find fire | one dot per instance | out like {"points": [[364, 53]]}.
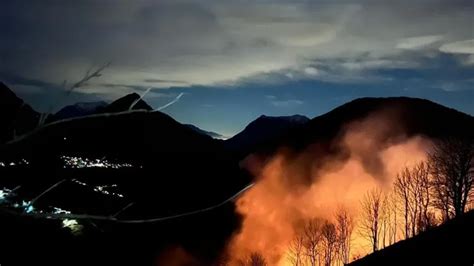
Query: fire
{"points": [[293, 187]]}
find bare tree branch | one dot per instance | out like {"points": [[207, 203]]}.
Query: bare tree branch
{"points": [[452, 168], [371, 206], [33, 201], [123, 209]]}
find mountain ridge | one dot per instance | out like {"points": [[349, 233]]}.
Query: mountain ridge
{"points": [[16, 116], [131, 101], [211, 134], [262, 129], [80, 109]]}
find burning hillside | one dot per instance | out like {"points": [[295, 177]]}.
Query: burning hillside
{"points": [[293, 188]]}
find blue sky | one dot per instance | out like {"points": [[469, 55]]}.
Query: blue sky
{"points": [[236, 60]]}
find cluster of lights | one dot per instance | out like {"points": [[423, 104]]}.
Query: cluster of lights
{"points": [[5, 196], [73, 225], [79, 182], [27, 207], [79, 162], [104, 190], [57, 210], [16, 163], [4, 193]]}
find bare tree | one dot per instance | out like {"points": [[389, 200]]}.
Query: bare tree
{"points": [[329, 242], [413, 187], [312, 238], [371, 206], [385, 221], [391, 209], [344, 227], [452, 168], [296, 253], [422, 217], [402, 189]]}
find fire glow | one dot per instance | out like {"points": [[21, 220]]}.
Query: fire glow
{"points": [[294, 187]]}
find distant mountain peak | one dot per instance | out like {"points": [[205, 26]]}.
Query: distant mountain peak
{"points": [[263, 129], [126, 102], [295, 118], [211, 134], [80, 109]]}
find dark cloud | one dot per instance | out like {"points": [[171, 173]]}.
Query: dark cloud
{"points": [[164, 81], [13, 79], [196, 42]]}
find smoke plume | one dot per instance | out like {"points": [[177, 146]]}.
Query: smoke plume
{"points": [[292, 187]]}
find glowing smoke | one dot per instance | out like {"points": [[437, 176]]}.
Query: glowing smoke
{"points": [[295, 186]]}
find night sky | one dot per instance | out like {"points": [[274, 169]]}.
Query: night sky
{"points": [[236, 60]]}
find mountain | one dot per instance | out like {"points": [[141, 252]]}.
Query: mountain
{"points": [[80, 109], [263, 129], [211, 134], [16, 117], [172, 163], [171, 169], [406, 116], [128, 102], [123, 104]]}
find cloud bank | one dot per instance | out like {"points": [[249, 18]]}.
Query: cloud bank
{"points": [[169, 43]]}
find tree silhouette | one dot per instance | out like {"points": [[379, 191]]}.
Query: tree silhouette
{"points": [[296, 252], [329, 242], [371, 206], [402, 189], [421, 216], [344, 228], [452, 169], [413, 188], [312, 239]]}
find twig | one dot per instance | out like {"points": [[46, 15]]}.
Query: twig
{"points": [[88, 76], [141, 97], [170, 103], [123, 209], [46, 191]]}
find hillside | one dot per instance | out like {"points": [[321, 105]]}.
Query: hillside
{"points": [[16, 117], [262, 130], [447, 244], [130, 101], [211, 134]]}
